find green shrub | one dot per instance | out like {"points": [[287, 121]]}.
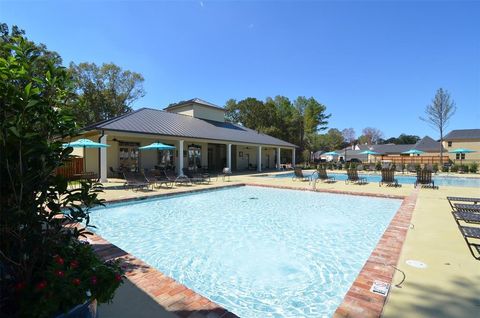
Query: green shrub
{"points": [[435, 167], [44, 269], [418, 167], [378, 166], [454, 168], [445, 168], [473, 167]]}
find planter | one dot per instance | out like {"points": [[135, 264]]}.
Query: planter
{"points": [[85, 310]]}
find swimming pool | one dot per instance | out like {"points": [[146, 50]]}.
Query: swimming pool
{"points": [[258, 252], [375, 178]]}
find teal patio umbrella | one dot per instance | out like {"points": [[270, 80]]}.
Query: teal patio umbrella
{"points": [[369, 152], [413, 152], [85, 143], [157, 146], [331, 153], [461, 151]]}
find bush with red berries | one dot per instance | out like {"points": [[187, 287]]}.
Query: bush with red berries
{"points": [[45, 268]]}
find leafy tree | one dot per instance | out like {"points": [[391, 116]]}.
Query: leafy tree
{"points": [[297, 122], [438, 114], [332, 140], [104, 91], [403, 139]]}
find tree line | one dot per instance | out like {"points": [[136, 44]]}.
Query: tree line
{"points": [[105, 91]]}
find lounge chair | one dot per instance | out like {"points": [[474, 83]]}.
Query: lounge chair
{"points": [[467, 216], [468, 233], [424, 178], [182, 179], [467, 207], [298, 175], [157, 178], [323, 176], [135, 180], [196, 177], [388, 178], [462, 199], [352, 177]]}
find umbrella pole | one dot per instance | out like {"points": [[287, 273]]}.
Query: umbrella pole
{"points": [[84, 159]]}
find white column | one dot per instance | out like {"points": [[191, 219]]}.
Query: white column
{"points": [[103, 160], [293, 157], [180, 157], [278, 159], [259, 159], [229, 156]]}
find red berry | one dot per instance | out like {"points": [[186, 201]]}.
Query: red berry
{"points": [[20, 286], [41, 285], [76, 281], [74, 264], [94, 280], [118, 277], [58, 260], [59, 273]]}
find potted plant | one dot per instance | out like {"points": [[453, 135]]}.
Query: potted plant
{"points": [[46, 267]]}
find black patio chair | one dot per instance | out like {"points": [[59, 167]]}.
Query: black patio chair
{"points": [[352, 177], [388, 178]]}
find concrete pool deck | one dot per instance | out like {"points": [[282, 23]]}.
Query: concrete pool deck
{"points": [[448, 287]]}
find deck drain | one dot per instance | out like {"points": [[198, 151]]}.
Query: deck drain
{"points": [[379, 287], [416, 264], [253, 198]]}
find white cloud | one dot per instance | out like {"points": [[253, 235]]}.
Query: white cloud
{"points": [[202, 4], [251, 25]]}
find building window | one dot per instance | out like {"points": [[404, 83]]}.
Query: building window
{"points": [[165, 159], [449, 143], [194, 156], [460, 156], [128, 156]]}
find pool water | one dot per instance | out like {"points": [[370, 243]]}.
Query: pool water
{"points": [[402, 179], [258, 252]]}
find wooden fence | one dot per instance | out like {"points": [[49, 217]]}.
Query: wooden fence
{"points": [[414, 159], [72, 167]]}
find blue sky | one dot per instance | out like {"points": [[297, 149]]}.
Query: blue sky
{"points": [[372, 63]]}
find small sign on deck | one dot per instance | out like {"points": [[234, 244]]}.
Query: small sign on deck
{"points": [[379, 287]]}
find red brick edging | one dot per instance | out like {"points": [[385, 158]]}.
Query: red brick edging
{"points": [[183, 302], [360, 301]]}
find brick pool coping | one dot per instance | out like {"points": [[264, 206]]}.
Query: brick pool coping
{"points": [[184, 302]]}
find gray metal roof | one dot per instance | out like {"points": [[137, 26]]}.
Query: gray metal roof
{"points": [[463, 134], [194, 101], [391, 148], [159, 122], [427, 144]]}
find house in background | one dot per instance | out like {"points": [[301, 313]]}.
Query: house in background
{"points": [[463, 138], [195, 127]]}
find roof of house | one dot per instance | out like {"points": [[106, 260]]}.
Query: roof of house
{"points": [[427, 144], [159, 122], [463, 134], [193, 101]]}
